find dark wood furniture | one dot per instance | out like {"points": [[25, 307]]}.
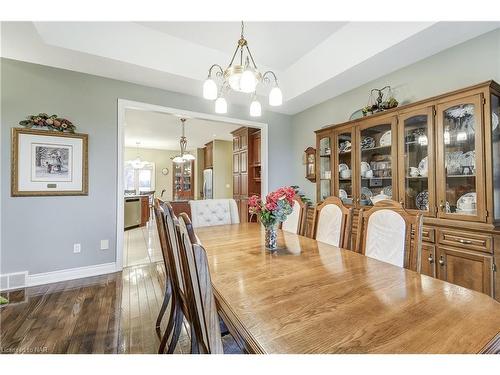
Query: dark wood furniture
{"points": [[310, 163], [461, 242], [246, 168], [180, 207], [183, 180], [345, 226], [412, 231], [145, 210], [317, 298], [208, 153]]}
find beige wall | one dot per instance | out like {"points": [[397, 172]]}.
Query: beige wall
{"points": [[161, 158], [466, 64], [223, 169]]}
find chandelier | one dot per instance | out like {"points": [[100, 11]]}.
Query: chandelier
{"points": [[183, 155], [242, 76], [137, 163]]}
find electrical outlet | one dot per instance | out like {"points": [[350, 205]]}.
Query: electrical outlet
{"points": [[104, 244], [77, 248]]}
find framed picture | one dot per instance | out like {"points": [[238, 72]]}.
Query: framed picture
{"points": [[46, 162]]}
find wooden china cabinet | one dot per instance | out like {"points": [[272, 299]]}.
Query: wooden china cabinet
{"points": [[440, 157], [183, 181], [246, 168]]}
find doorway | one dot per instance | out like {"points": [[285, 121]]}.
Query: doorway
{"points": [[139, 244]]}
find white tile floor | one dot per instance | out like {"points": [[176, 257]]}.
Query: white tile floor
{"points": [[142, 245]]}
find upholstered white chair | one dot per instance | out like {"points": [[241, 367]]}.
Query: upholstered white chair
{"points": [[332, 223], [209, 212], [385, 233], [295, 222]]}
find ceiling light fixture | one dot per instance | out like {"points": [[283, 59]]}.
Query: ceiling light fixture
{"points": [[184, 155], [137, 163], [243, 77]]}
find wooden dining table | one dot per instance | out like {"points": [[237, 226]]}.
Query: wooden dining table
{"points": [[311, 297]]}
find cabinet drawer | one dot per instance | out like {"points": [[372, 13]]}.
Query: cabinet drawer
{"points": [[428, 234], [466, 240]]}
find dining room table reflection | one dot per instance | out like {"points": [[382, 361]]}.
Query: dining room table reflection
{"points": [[311, 297]]}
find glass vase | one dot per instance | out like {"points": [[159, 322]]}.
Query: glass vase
{"points": [[271, 238]]}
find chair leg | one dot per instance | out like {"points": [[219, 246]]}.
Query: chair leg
{"points": [[179, 317], [195, 349], [170, 325], [166, 300]]}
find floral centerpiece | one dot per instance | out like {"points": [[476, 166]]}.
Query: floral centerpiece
{"points": [[52, 122], [274, 210]]}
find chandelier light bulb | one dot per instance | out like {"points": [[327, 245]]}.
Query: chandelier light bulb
{"points": [[248, 81], [178, 159], [255, 108], [210, 89], [234, 81], [188, 157], [220, 105], [275, 97]]}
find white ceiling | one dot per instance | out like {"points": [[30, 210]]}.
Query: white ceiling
{"points": [[163, 131], [314, 61], [274, 44]]}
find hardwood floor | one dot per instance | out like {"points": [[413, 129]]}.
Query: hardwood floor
{"points": [[113, 313]]}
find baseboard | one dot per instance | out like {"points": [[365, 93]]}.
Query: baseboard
{"points": [[70, 274]]}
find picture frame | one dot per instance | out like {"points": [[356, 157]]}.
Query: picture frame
{"points": [[48, 163]]}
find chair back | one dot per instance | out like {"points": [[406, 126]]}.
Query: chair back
{"points": [[385, 233], [209, 212], [332, 223], [295, 222], [168, 229], [198, 283]]}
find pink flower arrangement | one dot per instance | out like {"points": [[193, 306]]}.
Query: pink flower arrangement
{"points": [[277, 206]]}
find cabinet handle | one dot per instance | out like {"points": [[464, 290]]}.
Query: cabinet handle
{"points": [[431, 259], [441, 206], [441, 261], [466, 242]]}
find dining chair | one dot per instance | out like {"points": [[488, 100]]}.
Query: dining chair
{"points": [[160, 225], [295, 222], [209, 212], [179, 305], [385, 233], [203, 309], [332, 223]]}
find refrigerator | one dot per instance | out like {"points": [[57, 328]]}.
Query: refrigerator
{"points": [[208, 190]]}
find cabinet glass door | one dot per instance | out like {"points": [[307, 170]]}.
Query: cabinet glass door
{"points": [[377, 162], [344, 172], [325, 168], [460, 166], [416, 170]]}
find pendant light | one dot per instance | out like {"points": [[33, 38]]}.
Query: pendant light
{"points": [[241, 75], [183, 155]]}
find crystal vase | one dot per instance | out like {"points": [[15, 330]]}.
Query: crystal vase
{"points": [[271, 239]]}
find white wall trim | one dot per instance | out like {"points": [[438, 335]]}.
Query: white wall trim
{"points": [[70, 274], [124, 104]]}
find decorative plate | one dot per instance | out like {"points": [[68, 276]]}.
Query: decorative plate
{"points": [[367, 143], [343, 167], [364, 167], [342, 194], [345, 146], [356, 115], [423, 167], [387, 191], [379, 197], [468, 159], [462, 199], [452, 162], [494, 121], [422, 200], [385, 140], [366, 193]]}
